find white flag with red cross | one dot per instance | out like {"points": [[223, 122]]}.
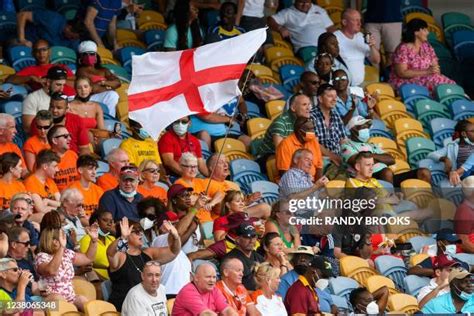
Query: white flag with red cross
{"points": [[167, 86]]}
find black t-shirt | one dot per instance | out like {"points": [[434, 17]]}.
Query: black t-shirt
{"points": [[349, 242], [249, 263], [383, 11]]}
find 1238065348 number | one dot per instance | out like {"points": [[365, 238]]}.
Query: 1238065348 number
{"points": [[23, 305]]}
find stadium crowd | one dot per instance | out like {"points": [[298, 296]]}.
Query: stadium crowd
{"points": [[97, 216]]}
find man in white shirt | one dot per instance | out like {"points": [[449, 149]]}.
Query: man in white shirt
{"points": [[352, 46], [438, 285], [302, 23], [147, 298]]}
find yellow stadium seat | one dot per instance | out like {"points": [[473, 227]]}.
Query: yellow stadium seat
{"points": [[333, 3], [131, 43], [335, 188], [122, 111], [147, 16], [152, 26], [400, 166], [97, 308], [418, 258], [403, 302], [334, 10], [124, 34], [380, 89], [106, 56], [356, 268], [371, 75], [272, 171], [170, 304], [447, 209], [5, 71], [375, 282], [282, 43], [435, 29], [417, 191], [233, 148], [388, 146], [257, 127], [407, 128], [268, 79], [84, 288], [62, 307], [123, 91], [390, 111], [420, 15], [277, 63], [403, 233], [275, 52], [277, 36], [274, 108], [260, 70]]}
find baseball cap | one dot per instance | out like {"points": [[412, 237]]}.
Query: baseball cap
{"points": [[87, 47], [8, 216], [443, 261], [357, 121], [129, 172], [458, 273], [246, 230], [177, 189], [56, 73], [322, 264], [447, 234]]}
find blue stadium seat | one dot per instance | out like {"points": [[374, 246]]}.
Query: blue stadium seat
{"points": [[411, 93], [342, 286], [462, 109], [450, 192], [7, 25], [12, 107], [466, 257], [18, 93], [393, 268], [63, 55], [107, 145], [436, 168], [414, 283], [30, 5], [125, 56], [20, 57], [20, 136], [105, 110], [441, 128], [427, 110], [103, 168], [387, 185], [342, 304], [418, 242], [418, 148], [120, 72], [63, 6], [106, 287], [290, 76], [269, 190], [379, 129], [244, 172], [235, 129], [253, 110], [463, 42], [154, 40]]}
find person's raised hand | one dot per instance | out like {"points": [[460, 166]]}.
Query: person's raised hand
{"points": [[125, 228]]}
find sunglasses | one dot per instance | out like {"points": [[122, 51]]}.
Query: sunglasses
{"points": [[340, 78], [45, 127], [153, 263], [66, 136], [89, 53], [131, 168], [152, 170], [24, 243], [137, 232], [13, 269], [41, 49]]}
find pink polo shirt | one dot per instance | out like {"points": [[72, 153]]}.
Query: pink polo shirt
{"points": [[192, 302]]}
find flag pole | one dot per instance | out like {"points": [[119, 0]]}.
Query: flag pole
{"points": [[231, 122]]}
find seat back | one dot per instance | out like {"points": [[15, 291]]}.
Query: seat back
{"points": [[375, 282], [307, 53], [276, 64], [418, 148], [414, 283], [97, 308], [63, 55], [154, 39], [402, 302], [272, 171], [418, 242], [257, 127], [379, 129], [260, 70], [400, 166], [388, 146], [380, 89], [274, 108], [393, 268], [106, 287], [243, 165], [342, 286], [442, 128], [21, 57], [269, 190], [462, 109], [84, 288], [275, 52], [62, 307]]}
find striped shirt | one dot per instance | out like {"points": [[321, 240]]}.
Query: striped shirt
{"points": [[282, 126], [329, 136], [106, 11]]}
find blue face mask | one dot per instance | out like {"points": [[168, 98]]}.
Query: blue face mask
{"points": [[143, 133], [468, 141], [364, 135], [463, 295]]}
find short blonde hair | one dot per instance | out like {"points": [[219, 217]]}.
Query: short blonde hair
{"points": [[46, 240], [468, 186], [264, 272], [146, 164]]}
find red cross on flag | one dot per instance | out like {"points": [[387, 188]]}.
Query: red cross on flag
{"points": [[168, 86]]}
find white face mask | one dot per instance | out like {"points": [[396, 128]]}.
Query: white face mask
{"points": [[372, 308], [102, 234], [128, 195], [322, 284], [450, 250], [180, 129], [146, 223]]}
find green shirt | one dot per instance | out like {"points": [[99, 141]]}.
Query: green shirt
{"points": [[282, 126]]}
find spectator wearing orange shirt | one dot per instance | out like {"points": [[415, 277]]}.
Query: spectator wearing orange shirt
{"points": [[10, 170], [7, 133], [117, 159], [44, 192], [232, 272], [59, 139], [38, 142], [91, 192], [302, 137], [150, 174]]}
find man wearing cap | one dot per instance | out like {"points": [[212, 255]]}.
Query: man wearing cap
{"points": [[33, 75], [122, 201], [7, 134], [302, 137], [359, 129], [299, 259], [40, 99], [438, 285], [460, 298], [244, 251], [103, 81]]}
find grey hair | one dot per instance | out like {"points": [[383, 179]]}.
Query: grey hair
{"points": [[298, 154], [4, 263], [5, 118], [187, 156], [112, 154], [226, 263], [70, 194]]}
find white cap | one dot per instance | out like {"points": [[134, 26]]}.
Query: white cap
{"points": [[357, 121], [87, 47]]}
